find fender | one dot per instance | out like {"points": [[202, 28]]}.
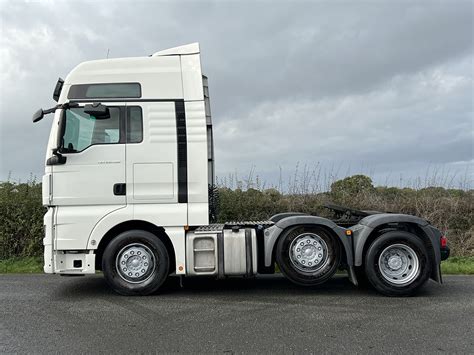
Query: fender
{"points": [[175, 234], [366, 226], [106, 223], [271, 234], [279, 216]]}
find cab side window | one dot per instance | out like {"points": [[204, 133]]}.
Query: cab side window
{"points": [[83, 130], [134, 125]]}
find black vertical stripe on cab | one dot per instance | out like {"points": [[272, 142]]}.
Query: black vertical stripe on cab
{"points": [[182, 152]]}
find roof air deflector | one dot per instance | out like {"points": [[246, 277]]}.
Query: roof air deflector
{"points": [[192, 48]]}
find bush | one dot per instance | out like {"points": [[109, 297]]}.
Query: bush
{"points": [[352, 186], [450, 210], [21, 221]]}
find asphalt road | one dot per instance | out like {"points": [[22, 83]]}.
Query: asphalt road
{"points": [[49, 313]]}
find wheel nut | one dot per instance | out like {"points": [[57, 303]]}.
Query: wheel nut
{"points": [[319, 248], [310, 263], [129, 274], [301, 243], [137, 274], [123, 262], [320, 255], [139, 252], [132, 252], [143, 270], [125, 256], [146, 264], [298, 249]]}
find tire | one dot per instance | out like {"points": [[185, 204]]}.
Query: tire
{"points": [[319, 267], [397, 264], [135, 262]]}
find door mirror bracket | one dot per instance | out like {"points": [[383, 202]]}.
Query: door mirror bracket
{"points": [[99, 111], [38, 115]]}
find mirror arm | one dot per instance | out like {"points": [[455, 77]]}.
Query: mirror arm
{"points": [[38, 116], [50, 110], [67, 105]]}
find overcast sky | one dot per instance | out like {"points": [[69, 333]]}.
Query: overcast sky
{"points": [[378, 87]]}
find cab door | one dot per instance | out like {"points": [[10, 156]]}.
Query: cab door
{"points": [[94, 170], [153, 163]]}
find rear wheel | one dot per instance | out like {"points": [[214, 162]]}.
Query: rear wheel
{"points": [[397, 263], [308, 256], [136, 262]]}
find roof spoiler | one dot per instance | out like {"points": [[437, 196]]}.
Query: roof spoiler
{"points": [[192, 48]]}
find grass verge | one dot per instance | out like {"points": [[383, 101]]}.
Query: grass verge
{"points": [[22, 265], [461, 265], [455, 265]]}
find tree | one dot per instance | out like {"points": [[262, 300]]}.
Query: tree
{"points": [[352, 185]]}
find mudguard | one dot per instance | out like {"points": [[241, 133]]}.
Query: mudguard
{"points": [[279, 216], [367, 225], [293, 219]]}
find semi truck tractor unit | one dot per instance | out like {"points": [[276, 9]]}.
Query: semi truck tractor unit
{"points": [[129, 187]]}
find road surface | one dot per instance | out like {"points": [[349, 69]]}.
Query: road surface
{"points": [[49, 313]]}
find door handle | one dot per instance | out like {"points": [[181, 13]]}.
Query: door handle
{"points": [[120, 189]]}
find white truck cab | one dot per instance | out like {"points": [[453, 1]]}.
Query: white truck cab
{"points": [[129, 173]]}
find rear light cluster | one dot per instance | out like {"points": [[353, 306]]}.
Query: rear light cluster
{"points": [[443, 241]]}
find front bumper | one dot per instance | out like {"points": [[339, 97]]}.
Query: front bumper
{"points": [[69, 262], [66, 262], [74, 263]]}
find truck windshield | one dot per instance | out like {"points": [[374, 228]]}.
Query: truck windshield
{"points": [[82, 130]]}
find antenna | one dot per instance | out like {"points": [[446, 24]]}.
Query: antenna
{"points": [[108, 51]]}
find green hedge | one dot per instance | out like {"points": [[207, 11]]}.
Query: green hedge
{"points": [[21, 219], [451, 210]]}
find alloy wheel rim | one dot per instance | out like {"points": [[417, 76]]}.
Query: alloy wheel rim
{"points": [[135, 263], [399, 264], [308, 252]]}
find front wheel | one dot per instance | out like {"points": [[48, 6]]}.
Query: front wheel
{"points": [[397, 264], [308, 256], [135, 262]]}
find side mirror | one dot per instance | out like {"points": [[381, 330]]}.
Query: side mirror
{"points": [[56, 160], [38, 115], [97, 110]]}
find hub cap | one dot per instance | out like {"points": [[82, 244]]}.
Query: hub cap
{"points": [[308, 252], [399, 264], [135, 263]]}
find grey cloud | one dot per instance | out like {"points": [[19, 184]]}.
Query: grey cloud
{"points": [[294, 81]]}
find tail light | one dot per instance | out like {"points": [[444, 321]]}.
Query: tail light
{"points": [[443, 241]]}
